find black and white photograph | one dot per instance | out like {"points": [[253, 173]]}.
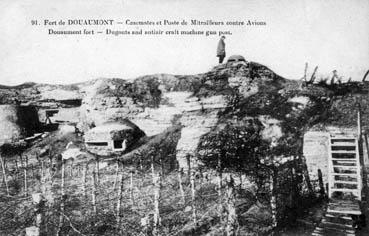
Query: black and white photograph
{"points": [[184, 118]]}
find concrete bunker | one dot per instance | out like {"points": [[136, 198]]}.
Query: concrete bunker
{"points": [[236, 58], [112, 137], [18, 122]]}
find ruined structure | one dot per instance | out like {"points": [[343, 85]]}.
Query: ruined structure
{"points": [[17, 122], [236, 58], [112, 137], [334, 157], [317, 150]]}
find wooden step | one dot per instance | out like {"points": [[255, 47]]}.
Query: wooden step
{"points": [[343, 202], [339, 138], [326, 228], [347, 160], [331, 234], [343, 143], [344, 174], [344, 182], [344, 210], [352, 164], [339, 217], [341, 166], [335, 225], [345, 187], [342, 151], [344, 163], [318, 233]]}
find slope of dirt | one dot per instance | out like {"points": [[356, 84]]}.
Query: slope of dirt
{"points": [[185, 116]]}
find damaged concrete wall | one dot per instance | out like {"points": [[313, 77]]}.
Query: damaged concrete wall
{"points": [[315, 150], [17, 122], [112, 137]]}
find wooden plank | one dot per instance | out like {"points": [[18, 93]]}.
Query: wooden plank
{"points": [[347, 167], [344, 201], [343, 138], [344, 182], [338, 225], [344, 174], [344, 190], [342, 152], [340, 217], [351, 144], [349, 212], [335, 229], [343, 206], [330, 168], [359, 180], [346, 160]]}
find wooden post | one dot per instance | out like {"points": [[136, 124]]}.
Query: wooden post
{"points": [[360, 151], [193, 196], [38, 202], [141, 162], [4, 175], [120, 194], [219, 172], [71, 170], [273, 201], [193, 190], [312, 78], [157, 186], [366, 74], [84, 179], [25, 165], [180, 174], [161, 167], [131, 188], [94, 176], [359, 131], [240, 176], [33, 171], [61, 216], [97, 171], [232, 222], [119, 201], [152, 167], [156, 179], [116, 175], [305, 71], [78, 170], [42, 168], [51, 164], [16, 166]]}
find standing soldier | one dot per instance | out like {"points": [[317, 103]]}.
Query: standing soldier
{"points": [[221, 49]]}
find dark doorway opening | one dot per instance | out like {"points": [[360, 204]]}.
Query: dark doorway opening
{"points": [[118, 144]]}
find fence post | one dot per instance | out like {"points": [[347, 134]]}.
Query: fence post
{"points": [[61, 216], [232, 223], [119, 201], [4, 175], [180, 174], [131, 187]]}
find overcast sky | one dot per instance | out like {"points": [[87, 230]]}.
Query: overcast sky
{"points": [[333, 34]]}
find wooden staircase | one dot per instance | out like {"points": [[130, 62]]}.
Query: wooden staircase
{"points": [[344, 186]]}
